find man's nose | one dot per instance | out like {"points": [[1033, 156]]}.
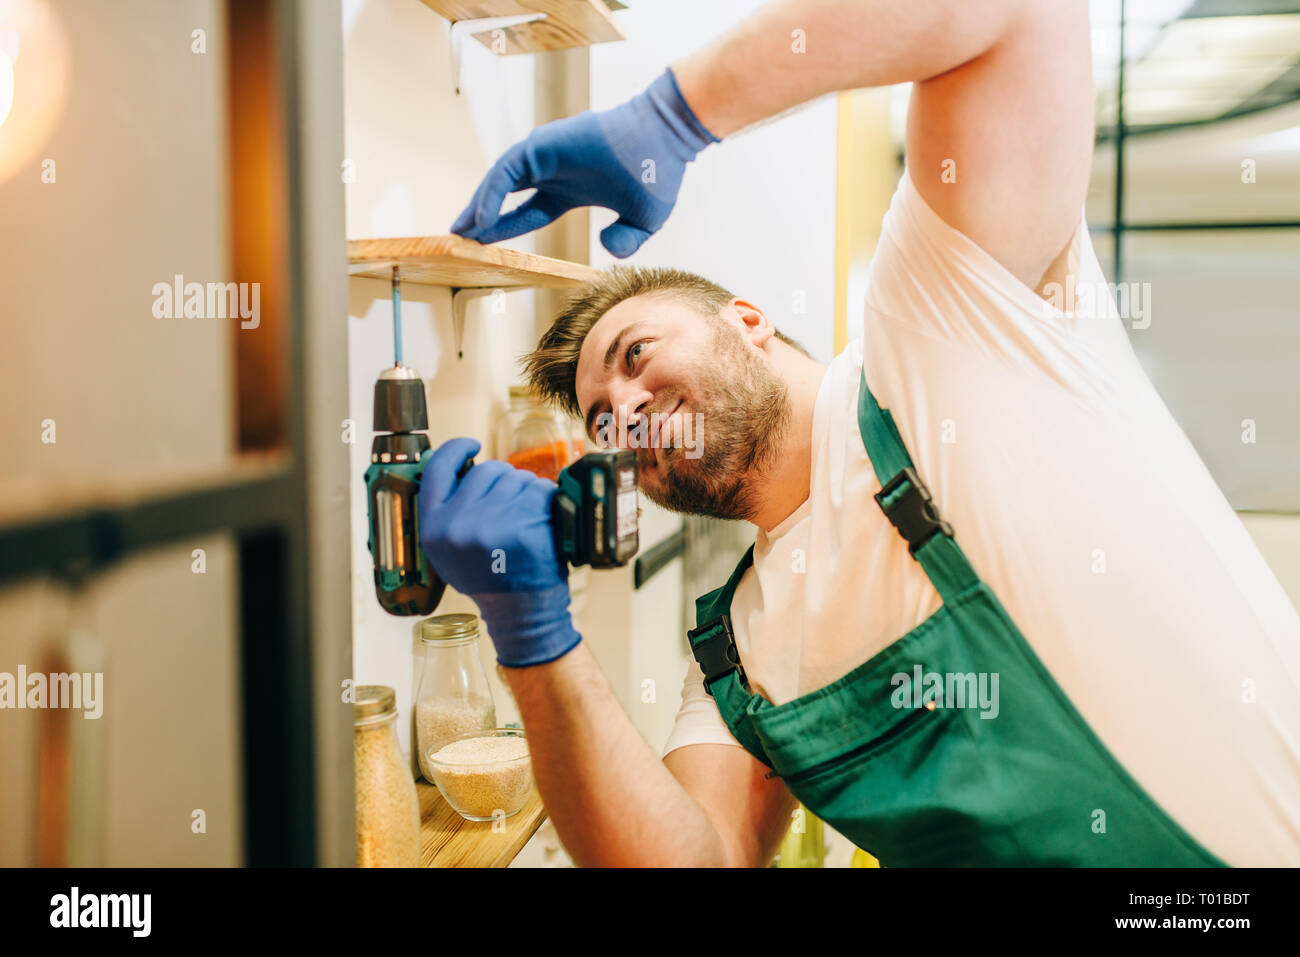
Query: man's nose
{"points": [[631, 408]]}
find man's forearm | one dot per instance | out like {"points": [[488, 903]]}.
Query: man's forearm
{"points": [[614, 803], [792, 51]]}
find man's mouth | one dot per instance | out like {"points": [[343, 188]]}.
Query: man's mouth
{"points": [[661, 441], [659, 438]]}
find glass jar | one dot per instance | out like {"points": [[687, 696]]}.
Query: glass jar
{"points": [[577, 437], [536, 437], [454, 695], [544, 440], [388, 809]]}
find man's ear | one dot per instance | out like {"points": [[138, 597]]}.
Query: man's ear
{"points": [[754, 324]]}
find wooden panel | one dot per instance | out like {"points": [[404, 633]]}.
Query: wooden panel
{"points": [[448, 840], [568, 23], [455, 261]]}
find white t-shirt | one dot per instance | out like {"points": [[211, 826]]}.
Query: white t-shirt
{"points": [[1078, 500]]}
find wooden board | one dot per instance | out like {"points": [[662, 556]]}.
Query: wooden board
{"points": [[455, 261], [448, 840], [568, 23]]}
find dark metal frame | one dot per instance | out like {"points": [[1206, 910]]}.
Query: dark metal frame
{"points": [[79, 543], [278, 722], [269, 517]]}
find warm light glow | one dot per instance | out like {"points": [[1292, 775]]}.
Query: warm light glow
{"points": [[35, 78], [6, 86]]}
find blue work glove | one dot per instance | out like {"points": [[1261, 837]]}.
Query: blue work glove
{"points": [[489, 536], [629, 159]]}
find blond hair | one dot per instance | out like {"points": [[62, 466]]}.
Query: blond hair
{"points": [[552, 368]]}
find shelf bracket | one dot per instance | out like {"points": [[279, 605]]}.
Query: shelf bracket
{"points": [[462, 30], [459, 295]]}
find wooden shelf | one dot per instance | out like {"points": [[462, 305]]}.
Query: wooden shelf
{"points": [[462, 263], [448, 840], [568, 23]]}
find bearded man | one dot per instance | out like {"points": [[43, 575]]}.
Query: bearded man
{"points": [[1024, 613]]}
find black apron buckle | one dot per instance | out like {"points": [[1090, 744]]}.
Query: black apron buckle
{"points": [[717, 654], [913, 513]]}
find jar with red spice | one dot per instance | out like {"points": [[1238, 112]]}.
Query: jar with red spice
{"points": [[534, 436]]}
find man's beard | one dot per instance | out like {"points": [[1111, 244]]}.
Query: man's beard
{"points": [[746, 413]]}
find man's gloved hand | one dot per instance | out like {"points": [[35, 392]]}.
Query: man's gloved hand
{"points": [[489, 536], [629, 159]]}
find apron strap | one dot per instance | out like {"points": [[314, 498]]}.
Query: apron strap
{"points": [[713, 643], [908, 504]]}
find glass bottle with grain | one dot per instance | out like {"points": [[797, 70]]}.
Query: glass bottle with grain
{"points": [[387, 807]]}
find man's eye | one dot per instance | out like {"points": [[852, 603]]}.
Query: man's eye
{"points": [[631, 359]]}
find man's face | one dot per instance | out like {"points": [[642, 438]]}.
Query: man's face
{"points": [[697, 390]]}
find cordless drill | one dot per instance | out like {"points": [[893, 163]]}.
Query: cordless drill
{"points": [[593, 514]]}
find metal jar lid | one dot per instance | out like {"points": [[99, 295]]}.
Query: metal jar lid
{"points": [[449, 627], [373, 703]]}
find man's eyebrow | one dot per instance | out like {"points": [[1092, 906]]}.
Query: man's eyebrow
{"points": [[610, 354], [612, 351]]}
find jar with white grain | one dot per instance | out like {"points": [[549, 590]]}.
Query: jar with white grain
{"points": [[388, 809], [454, 695]]}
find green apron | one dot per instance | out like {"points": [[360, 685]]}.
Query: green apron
{"points": [[1027, 783]]}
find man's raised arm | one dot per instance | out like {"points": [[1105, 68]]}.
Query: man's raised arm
{"points": [[795, 50], [1002, 104], [1000, 132]]}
